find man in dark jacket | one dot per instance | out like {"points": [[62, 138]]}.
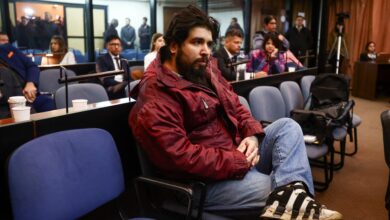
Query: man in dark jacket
{"points": [[191, 124], [25, 76], [144, 34], [227, 55], [300, 38], [128, 35]]}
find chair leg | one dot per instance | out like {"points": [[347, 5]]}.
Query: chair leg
{"points": [[340, 164], [328, 172], [355, 143]]}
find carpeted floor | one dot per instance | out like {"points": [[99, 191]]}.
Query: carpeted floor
{"points": [[358, 189]]}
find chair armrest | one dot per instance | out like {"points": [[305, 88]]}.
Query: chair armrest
{"points": [[189, 189]]}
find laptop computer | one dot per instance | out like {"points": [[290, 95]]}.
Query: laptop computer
{"points": [[383, 58]]}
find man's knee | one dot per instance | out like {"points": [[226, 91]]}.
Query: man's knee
{"points": [[287, 123]]}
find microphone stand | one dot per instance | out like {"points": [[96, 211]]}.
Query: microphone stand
{"points": [[63, 70], [125, 68]]}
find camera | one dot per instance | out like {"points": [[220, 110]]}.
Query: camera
{"points": [[341, 16]]}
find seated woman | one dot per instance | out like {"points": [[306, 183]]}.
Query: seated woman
{"points": [[369, 54], [156, 44], [268, 60], [58, 53]]}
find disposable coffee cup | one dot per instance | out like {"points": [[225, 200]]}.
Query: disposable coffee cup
{"points": [[79, 104], [247, 75], [21, 113], [291, 69], [16, 101]]}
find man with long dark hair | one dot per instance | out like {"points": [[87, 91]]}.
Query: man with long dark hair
{"points": [[191, 124]]}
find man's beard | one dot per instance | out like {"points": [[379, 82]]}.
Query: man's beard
{"points": [[189, 71]]}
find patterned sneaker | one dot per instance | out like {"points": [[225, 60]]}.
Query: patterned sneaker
{"points": [[291, 202]]}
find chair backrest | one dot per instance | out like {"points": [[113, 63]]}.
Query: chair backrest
{"points": [[90, 91], [305, 86], [385, 118], [132, 85], [48, 80], [292, 96], [64, 175], [245, 103], [267, 103]]}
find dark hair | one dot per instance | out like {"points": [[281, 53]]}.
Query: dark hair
{"points": [[234, 19], [110, 38], [269, 18], [299, 16], [3, 33], [181, 24], [154, 39], [61, 42], [275, 40], [368, 44], [234, 32]]}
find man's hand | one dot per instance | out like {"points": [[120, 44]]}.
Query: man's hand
{"points": [[260, 74], [250, 147], [281, 37], [30, 92]]}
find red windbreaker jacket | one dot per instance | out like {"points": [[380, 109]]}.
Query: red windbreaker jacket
{"points": [[181, 127]]}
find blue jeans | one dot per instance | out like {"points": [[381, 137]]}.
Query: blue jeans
{"points": [[283, 160]]}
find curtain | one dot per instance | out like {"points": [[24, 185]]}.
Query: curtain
{"points": [[368, 21]]}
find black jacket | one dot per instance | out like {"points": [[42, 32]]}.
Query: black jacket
{"points": [[223, 61], [300, 41]]}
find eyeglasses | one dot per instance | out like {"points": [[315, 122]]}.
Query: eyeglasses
{"points": [[114, 44]]}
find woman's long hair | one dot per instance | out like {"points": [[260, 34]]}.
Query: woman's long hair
{"points": [[63, 48], [154, 39]]}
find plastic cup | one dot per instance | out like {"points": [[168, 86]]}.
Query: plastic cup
{"points": [[291, 69], [16, 101], [21, 113], [79, 104], [247, 75]]}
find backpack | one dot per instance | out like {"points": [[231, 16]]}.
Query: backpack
{"points": [[329, 93]]}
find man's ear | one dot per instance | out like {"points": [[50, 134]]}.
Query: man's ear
{"points": [[173, 48]]}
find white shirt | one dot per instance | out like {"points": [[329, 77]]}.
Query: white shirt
{"points": [[149, 58], [118, 78]]}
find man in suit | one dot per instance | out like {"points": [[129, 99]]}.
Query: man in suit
{"points": [[227, 54], [115, 85], [144, 34], [128, 35], [23, 74]]}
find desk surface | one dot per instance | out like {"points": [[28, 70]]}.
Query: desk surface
{"points": [[60, 112]]}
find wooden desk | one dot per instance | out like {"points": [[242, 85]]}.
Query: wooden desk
{"points": [[366, 77]]}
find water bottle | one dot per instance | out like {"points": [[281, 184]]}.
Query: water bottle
{"points": [[242, 67]]}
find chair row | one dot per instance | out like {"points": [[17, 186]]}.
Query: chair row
{"points": [[269, 103]]}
